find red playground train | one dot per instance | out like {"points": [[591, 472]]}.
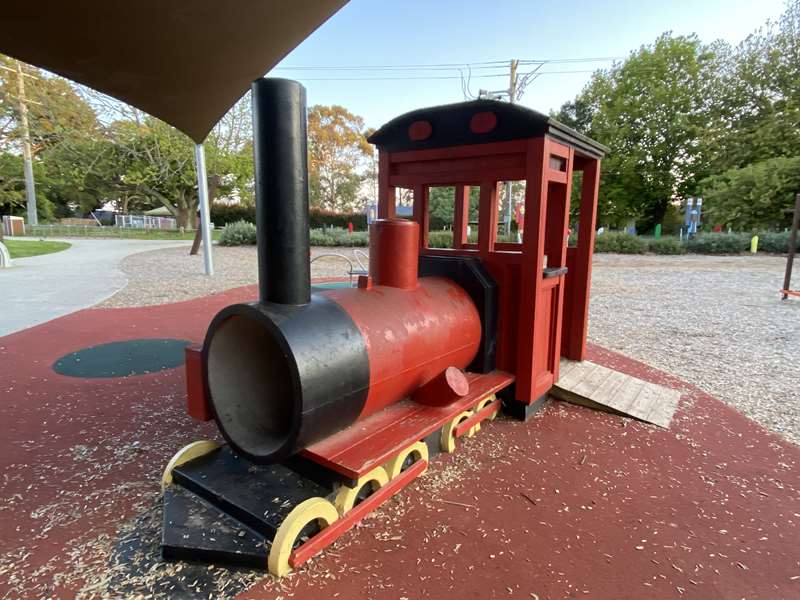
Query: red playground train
{"points": [[332, 400]]}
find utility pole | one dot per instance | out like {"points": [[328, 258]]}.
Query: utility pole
{"points": [[512, 97], [30, 188]]}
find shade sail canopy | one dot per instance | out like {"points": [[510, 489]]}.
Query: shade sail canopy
{"points": [[183, 61]]}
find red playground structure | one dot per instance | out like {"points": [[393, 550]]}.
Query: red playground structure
{"points": [[333, 400], [543, 297]]}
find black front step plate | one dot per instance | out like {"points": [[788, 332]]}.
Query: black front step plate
{"points": [[260, 496], [195, 530]]}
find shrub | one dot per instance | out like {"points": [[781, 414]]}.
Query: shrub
{"points": [[666, 245], [719, 243], [239, 233], [621, 243], [777, 242], [338, 237], [440, 239]]}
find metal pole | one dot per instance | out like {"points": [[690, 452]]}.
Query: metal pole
{"points": [[787, 279], [30, 188], [205, 213], [512, 97]]}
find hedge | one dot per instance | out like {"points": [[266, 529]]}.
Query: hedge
{"points": [[719, 243], [666, 245], [338, 237], [620, 243], [319, 219], [244, 233], [222, 214], [775, 242]]}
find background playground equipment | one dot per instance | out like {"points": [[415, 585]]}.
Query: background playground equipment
{"points": [[13, 226], [787, 278], [333, 400]]}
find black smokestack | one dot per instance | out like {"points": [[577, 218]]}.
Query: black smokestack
{"points": [[281, 173]]}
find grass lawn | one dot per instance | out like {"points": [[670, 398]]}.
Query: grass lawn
{"points": [[115, 232], [23, 248]]}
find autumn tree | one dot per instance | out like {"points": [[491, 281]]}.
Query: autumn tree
{"points": [[336, 148]]}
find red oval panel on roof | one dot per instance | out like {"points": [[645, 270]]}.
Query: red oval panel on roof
{"points": [[483, 122], [420, 130]]}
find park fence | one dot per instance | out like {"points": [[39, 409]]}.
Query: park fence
{"points": [[144, 222]]}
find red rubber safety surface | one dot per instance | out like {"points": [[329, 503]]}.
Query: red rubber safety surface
{"points": [[572, 504]]}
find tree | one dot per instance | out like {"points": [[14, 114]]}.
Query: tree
{"points": [[336, 148], [755, 101], [59, 119], [650, 110], [758, 196], [156, 162]]}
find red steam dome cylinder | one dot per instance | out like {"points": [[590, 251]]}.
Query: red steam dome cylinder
{"points": [[295, 366], [393, 253]]}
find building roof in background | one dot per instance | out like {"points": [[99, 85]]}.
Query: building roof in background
{"points": [[185, 62]]}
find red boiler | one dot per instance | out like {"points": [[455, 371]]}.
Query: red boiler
{"points": [[281, 377]]}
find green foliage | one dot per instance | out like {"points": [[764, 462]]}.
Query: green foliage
{"points": [[719, 243], [319, 218], [775, 242], [754, 111], [673, 220], [620, 243], [441, 203], [440, 239], [754, 196], [338, 237], [24, 248], [222, 214], [649, 111], [105, 232], [677, 113], [238, 233], [666, 245]]}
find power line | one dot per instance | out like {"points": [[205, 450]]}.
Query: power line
{"points": [[438, 77], [446, 66]]}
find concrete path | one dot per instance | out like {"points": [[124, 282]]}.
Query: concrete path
{"points": [[40, 288]]}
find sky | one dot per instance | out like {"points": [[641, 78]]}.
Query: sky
{"points": [[368, 33]]}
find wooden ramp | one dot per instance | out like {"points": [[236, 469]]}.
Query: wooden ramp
{"points": [[601, 388]]}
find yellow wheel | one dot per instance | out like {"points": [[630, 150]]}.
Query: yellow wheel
{"points": [[482, 404], [406, 458], [184, 455], [347, 497], [306, 520], [448, 439]]}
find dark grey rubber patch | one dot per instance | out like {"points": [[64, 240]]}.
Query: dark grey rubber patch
{"points": [[330, 285], [121, 359]]}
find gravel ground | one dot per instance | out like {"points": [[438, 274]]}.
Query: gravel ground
{"points": [[716, 322], [172, 275]]}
